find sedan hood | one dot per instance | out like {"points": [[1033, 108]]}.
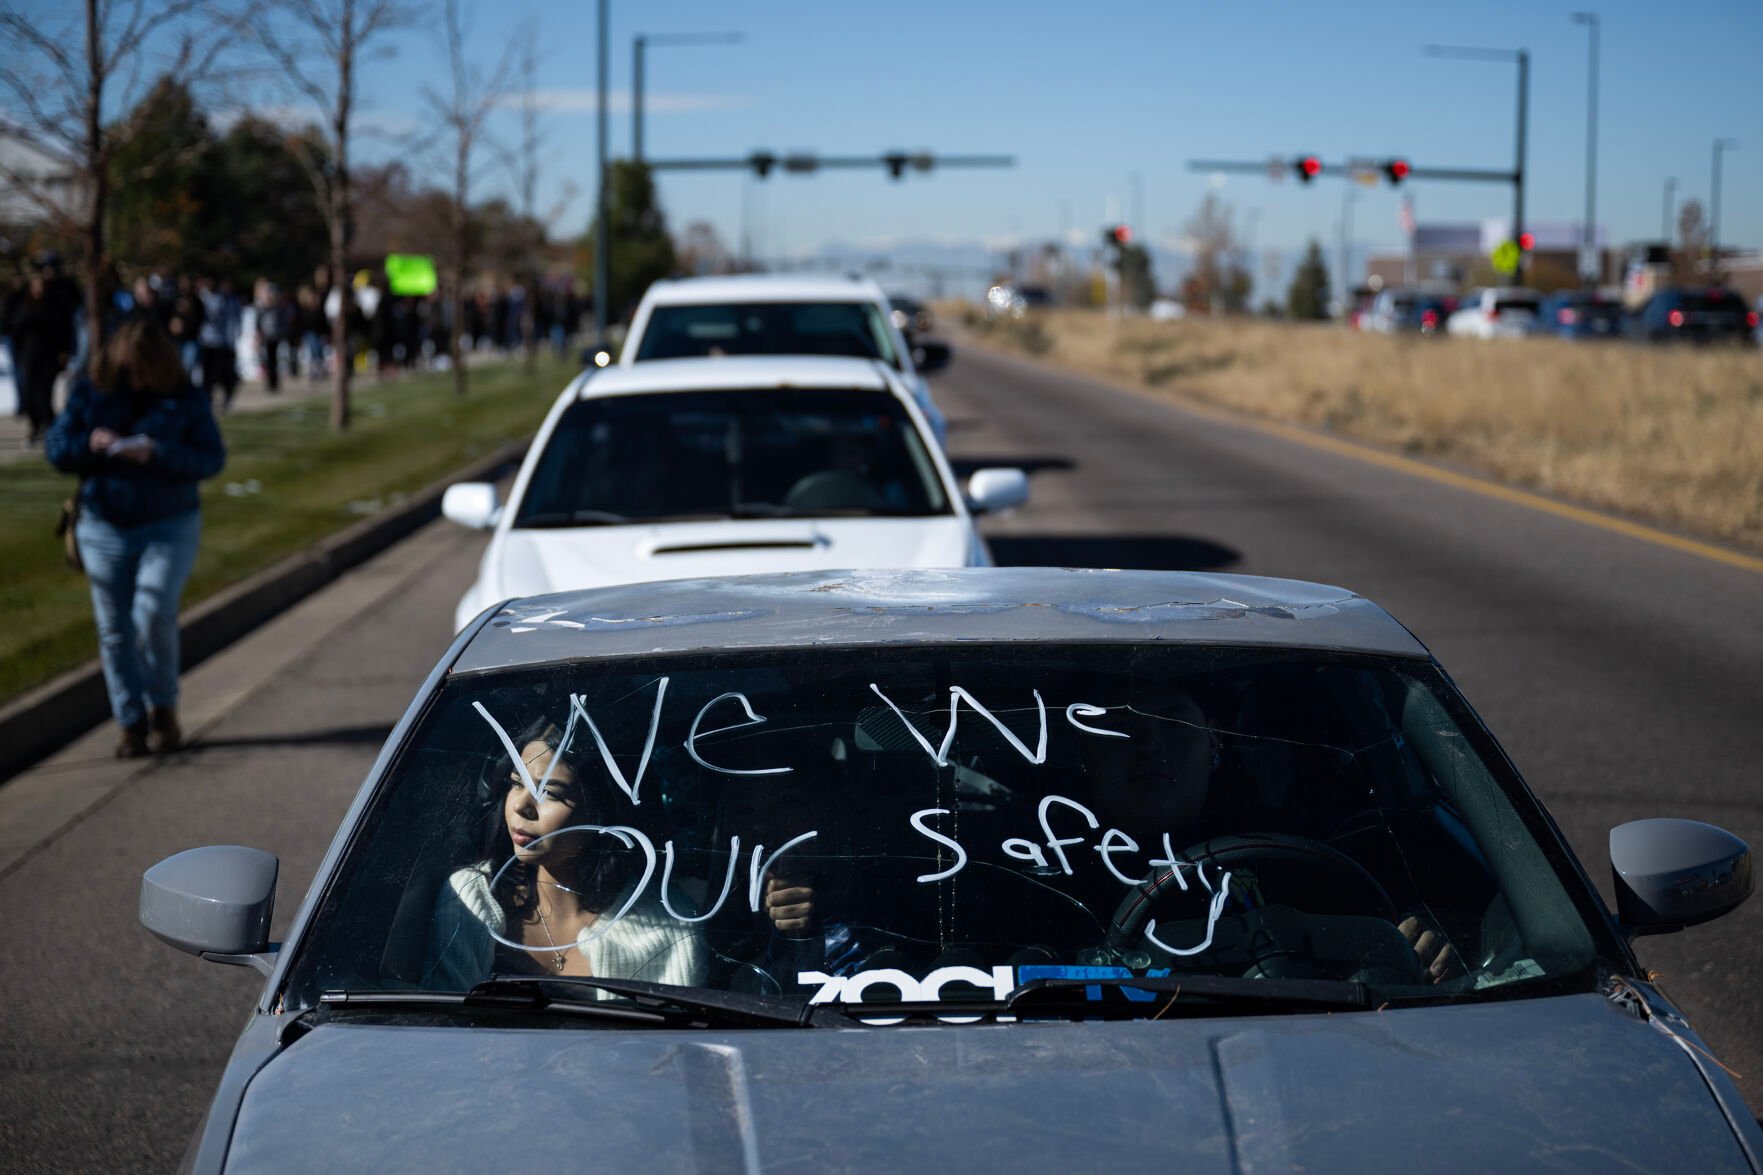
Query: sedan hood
{"points": [[1569, 1083], [533, 562]]}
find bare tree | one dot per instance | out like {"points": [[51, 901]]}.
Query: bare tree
{"points": [[61, 80], [463, 109], [314, 47]]}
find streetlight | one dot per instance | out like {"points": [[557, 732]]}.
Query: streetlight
{"points": [[643, 40], [1591, 264], [1522, 58], [1720, 147]]}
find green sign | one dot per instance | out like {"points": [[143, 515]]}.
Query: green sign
{"points": [[1505, 257], [410, 275]]}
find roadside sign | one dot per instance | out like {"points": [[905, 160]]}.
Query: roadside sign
{"points": [[410, 275], [1505, 257]]}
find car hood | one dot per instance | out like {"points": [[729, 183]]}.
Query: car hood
{"points": [[533, 562], [1564, 1083]]}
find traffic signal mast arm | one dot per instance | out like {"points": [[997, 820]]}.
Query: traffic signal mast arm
{"points": [[1415, 171], [896, 163]]}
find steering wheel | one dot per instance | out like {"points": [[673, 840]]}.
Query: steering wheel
{"points": [[1331, 878]]}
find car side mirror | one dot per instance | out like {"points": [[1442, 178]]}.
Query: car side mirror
{"points": [[215, 902], [991, 491], [473, 504], [1670, 874], [930, 356]]}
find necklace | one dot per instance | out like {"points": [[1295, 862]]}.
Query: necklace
{"points": [[557, 959]]}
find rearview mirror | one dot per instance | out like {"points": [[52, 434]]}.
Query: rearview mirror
{"points": [[990, 491], [472, 503], [215, 902], [930, 356], [1670, 874]]}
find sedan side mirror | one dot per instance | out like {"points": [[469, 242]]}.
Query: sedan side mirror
{"points": [[473, 504], [1670, 874], [991, 491], [215, 902], [930, 356]]}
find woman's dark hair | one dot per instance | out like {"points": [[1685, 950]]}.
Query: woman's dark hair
{"points": [[604, 874], [140, 357]]}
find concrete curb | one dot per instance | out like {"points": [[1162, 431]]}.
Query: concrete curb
{"points": [[60, 710]]}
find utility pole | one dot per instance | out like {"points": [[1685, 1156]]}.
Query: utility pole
{"points": [[1522, 58], [638, 48], [1670, 207], [1721, 146], [602, 218], [1591, 260]]}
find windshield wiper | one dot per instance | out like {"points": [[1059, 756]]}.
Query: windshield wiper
{"points": [[1193, 994], [649, 1003], [1165, 996]]}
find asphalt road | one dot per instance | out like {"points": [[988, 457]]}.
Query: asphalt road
{"points": [[1624, 677]]}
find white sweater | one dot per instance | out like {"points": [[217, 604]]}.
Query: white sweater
{"points": [[644, 944]]}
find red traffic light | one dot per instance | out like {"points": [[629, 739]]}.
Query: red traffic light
{"points": [[1397, 170], [1526, 241], [1308, 168], [1122, 234]]}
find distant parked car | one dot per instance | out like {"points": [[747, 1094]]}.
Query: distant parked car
{"points": [[1582, 314], [1698, 314], [1404, 310], [911, 316], [1503, 312]]}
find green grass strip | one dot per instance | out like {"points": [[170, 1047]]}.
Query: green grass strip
{"points": [[288, 483]]}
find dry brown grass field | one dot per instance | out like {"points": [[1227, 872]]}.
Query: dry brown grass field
{"points": [[1670, 435]]}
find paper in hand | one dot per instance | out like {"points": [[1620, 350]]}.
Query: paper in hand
{"points": [[125, 444]]}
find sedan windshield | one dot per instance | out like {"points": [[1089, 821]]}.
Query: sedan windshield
{"points": [[734, 454], [854, 329], [888, 824]]}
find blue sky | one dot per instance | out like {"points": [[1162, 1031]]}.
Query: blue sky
{"points": [[1083, 95]]}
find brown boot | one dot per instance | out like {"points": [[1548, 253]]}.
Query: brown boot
{"points": [[132, 742], [163, 734]]}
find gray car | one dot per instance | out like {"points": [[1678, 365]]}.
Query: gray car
{"points": [[1000, 868]]}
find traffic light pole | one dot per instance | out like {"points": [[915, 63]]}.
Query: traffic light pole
{"points": [[603, 200]]}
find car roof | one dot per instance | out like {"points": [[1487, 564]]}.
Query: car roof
{"points": [[730, 372], [764, 287], [801, 610]]}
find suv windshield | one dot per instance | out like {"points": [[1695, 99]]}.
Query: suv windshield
{"points": [[732, 454], [880, 824], [853, 329]]}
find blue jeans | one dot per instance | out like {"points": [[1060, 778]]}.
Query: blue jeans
{"points": [[137, 575]]}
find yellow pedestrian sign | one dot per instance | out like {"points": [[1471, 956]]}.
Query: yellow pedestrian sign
{"points": [[1505, 257]]}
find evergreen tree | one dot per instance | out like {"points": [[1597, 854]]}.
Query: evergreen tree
{"points": [[1308, 296], [642, 252], [153, 214]]}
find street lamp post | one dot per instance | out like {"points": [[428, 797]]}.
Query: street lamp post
{"points": [[638, 48], [1522, 58], [602, 201], [1721, 146], [1591, 263]]}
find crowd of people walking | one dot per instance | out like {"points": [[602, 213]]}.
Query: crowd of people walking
{"points": [[224, 334]]}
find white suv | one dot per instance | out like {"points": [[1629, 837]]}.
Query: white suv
{"points": [[1504, 312], [776, 314]]}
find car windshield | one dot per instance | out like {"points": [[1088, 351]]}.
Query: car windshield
{"points": [[856, 329], [732, 454], [948, 823]]}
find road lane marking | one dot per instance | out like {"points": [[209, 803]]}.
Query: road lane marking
{"points": [[1371, 455]]}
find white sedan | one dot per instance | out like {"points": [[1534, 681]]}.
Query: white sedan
{"points": [[682, 468]]}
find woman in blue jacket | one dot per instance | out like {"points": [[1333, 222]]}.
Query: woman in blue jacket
{"points": [[141, 438]]}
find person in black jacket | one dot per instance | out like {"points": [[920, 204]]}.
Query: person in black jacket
{"points": [[41, 330], [142, 438]]}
